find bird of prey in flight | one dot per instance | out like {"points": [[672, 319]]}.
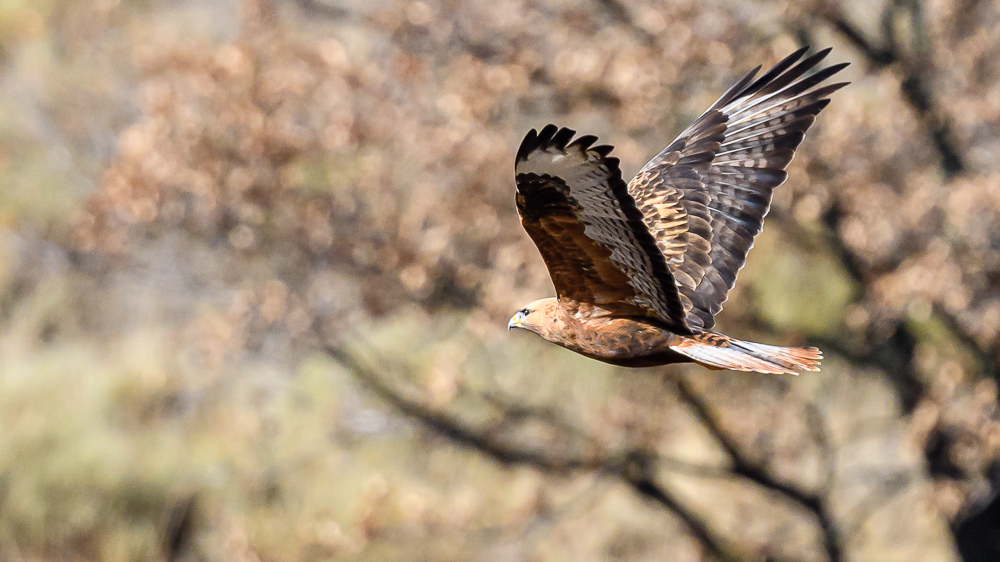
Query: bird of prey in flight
{"points": [[641, 268]]}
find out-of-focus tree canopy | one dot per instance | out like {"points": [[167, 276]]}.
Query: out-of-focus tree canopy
{"points": [[257, 259]]}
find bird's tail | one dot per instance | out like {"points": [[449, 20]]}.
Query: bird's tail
{"points": [[718, 351]]}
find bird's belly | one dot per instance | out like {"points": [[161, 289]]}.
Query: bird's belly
{"points": [[627, 344], [652, 359]]}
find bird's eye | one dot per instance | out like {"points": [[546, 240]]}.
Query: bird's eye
{"points": [[523, 312]]}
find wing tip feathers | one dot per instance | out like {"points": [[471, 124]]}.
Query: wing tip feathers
{"points": [[528, 144], [787, 72], [562, 139]]}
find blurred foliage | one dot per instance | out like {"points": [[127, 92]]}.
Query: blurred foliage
{"points": [[257, 258]]}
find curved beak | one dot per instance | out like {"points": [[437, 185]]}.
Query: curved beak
{"points": [[514, 323]]}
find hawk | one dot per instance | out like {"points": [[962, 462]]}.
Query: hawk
{"points": [[641, 268]]}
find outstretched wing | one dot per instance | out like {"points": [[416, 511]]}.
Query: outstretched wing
{"points": [[705, 196], [577, 209]]}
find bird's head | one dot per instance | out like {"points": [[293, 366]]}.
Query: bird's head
{"points": [[534, 316]]}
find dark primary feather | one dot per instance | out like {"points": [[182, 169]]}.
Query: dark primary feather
{"points": [[577, 209], [704, 197]]}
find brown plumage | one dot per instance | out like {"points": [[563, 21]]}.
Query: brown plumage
{"points": [[641, 269]]}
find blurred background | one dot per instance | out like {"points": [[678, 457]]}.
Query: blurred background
{"points": [[257, 259]]}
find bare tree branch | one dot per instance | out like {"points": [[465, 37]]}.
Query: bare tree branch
{"points": [[745, 467], [816, 423], [459, 431], [638, 473], [322, 9], [621, 15], [634, 468], [914, 86]]}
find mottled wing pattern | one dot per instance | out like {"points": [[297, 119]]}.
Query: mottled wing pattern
{"points": [[576, 208], [704, 197]]}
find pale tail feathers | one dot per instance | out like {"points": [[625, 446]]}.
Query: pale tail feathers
{"points": [[717, 351]]}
